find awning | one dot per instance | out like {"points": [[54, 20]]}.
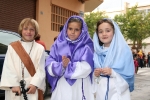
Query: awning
{"points": [[90, 5]]}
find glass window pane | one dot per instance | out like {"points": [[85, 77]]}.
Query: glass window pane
{"points": [[6, 38]]}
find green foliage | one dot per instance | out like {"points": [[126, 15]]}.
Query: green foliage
{"points": [[135, 25], [91, 20]]}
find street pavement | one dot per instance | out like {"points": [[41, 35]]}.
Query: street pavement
{"points": [[142, 85]]}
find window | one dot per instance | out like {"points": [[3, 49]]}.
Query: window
{"points": [[6, 37], [59, 16]]}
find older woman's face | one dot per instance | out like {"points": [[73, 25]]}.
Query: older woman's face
{"points": [[28, 33]]}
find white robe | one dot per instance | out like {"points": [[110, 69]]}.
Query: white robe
{"points": [[64, 91], [12, 71], [118, 88]]}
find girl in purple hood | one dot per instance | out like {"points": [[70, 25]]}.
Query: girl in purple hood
{"points": [[69, 66]]}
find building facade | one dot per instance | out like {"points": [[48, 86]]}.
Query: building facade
{"points": [[50, 14], [141, 7]]}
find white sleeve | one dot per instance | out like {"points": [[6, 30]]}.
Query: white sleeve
{"points": [[83, 69], [39, 77], [121, 84], [9, 76], [49, 69]]}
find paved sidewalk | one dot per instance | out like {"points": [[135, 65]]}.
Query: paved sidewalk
{"points": [[142, 85]]}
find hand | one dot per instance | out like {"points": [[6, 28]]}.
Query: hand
{"points": [[16, 90], [106, 71], [65, 61], [32, 89], [97, 72]]}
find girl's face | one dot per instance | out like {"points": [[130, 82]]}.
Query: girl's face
{"points": [[105, 33], [28, 33], [74, 30]]}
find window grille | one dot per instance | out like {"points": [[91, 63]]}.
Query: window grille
{"points": [[59, 16]]}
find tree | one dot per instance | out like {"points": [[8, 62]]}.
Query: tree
{"points": [[91, 20], [134, 26]]}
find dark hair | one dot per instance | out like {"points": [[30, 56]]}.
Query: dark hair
{"points": [[61, 27], [55, 38], [135, 55], [38, 36], [75, 19], [99, 23]]}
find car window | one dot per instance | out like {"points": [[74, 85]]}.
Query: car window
{"points": [[6, 37]]}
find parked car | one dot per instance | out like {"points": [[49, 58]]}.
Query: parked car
{"points": [[6, 37]]}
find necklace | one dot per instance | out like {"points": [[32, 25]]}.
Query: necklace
{"points": [[22, 65]]}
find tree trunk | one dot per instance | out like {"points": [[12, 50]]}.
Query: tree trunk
{"points": [[139, 44], [133, 46]]}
